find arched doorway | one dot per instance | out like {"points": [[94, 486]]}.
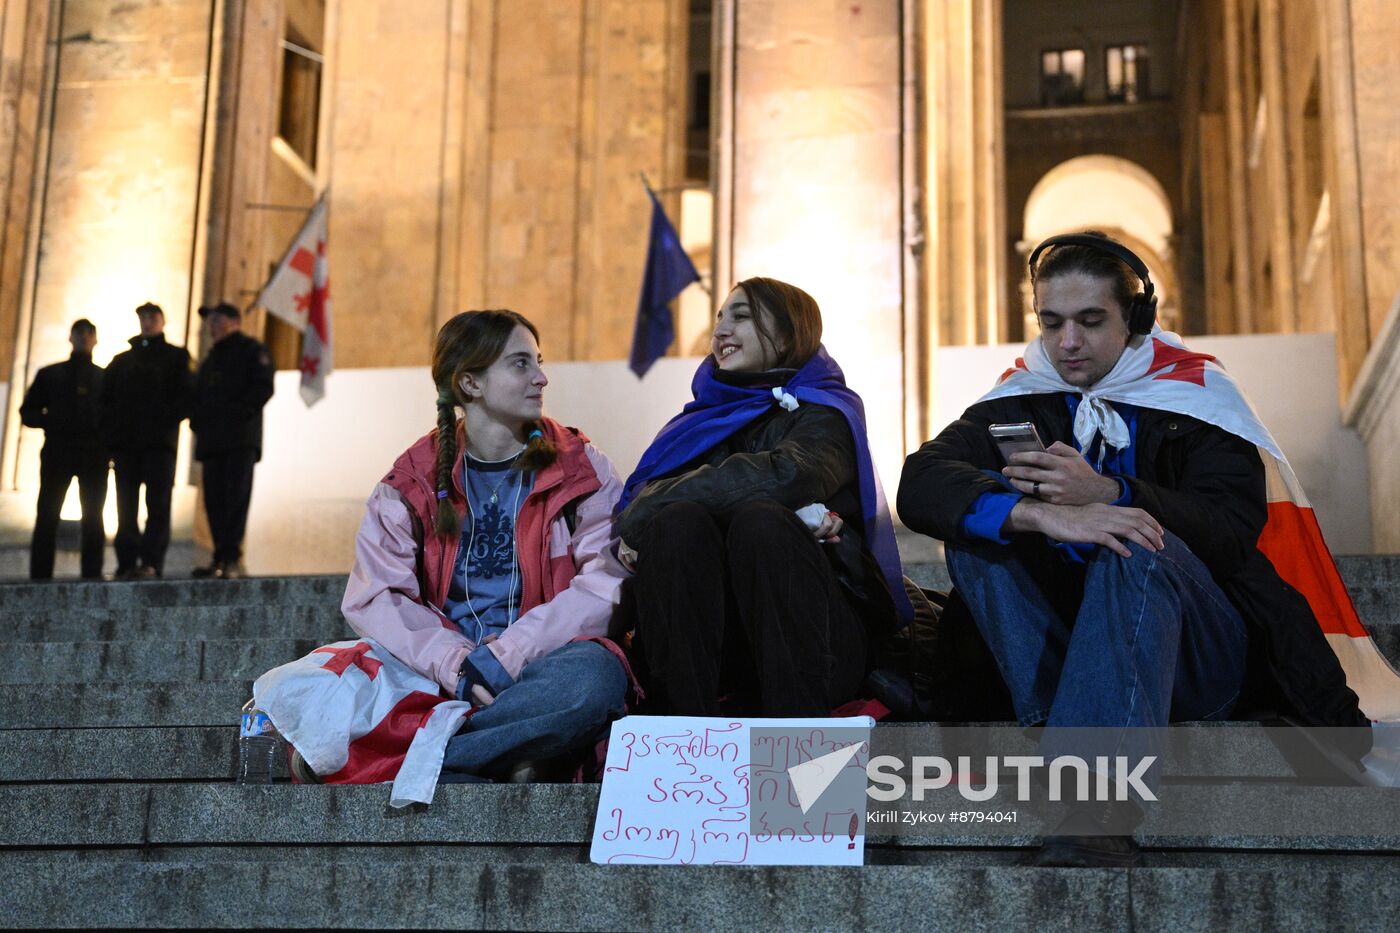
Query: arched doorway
{"points": [[1114, 195]]}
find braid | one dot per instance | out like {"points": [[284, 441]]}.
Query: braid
{"points": [[538, 452], [448, 523]]}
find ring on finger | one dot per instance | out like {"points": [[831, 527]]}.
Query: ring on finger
{"points": [[1035, 489]]}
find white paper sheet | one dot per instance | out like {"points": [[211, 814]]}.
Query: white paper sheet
{"points": [[677, 790]]}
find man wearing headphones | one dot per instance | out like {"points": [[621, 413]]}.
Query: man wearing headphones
{"points": [[1114, 574]]}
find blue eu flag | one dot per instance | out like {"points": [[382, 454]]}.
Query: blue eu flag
{"points": [[668, 271]]}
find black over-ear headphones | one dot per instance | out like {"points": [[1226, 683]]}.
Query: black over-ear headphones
{"points": [[1142, 310]]}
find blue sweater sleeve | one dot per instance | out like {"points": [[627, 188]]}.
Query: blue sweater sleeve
{"points": [[482, 668], [988, 516]]}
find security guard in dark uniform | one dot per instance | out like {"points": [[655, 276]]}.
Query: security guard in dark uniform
{"points": [[233, 385], [146, 395], [64, 401]]}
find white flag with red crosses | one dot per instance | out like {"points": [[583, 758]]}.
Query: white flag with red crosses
{"points": [[358, 715], [299, 292]]}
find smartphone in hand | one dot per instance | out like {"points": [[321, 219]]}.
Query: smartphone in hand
{"points": [[1015, 438]]}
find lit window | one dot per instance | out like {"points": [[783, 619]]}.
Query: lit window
{"points": [[1061, 77], [1125, 68]]}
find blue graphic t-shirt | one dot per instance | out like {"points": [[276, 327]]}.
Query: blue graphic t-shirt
{"points": [[484, 596]]}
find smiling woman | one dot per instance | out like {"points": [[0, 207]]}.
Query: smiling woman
{"points": [[755, 522]]}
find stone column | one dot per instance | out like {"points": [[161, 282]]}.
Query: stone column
{"points": [[1275, 156], [816, 183], [1373, 153], [1360, 72], [965, 172], [27, 62], [23, 28], [119, 185]]}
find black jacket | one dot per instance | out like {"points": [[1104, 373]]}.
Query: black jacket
{"points": [[1203, 484], [233, 385], [65, 401], [794, 458], [146, 395]]}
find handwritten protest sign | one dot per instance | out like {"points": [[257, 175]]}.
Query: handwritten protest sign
{"points": [[709, 791]]}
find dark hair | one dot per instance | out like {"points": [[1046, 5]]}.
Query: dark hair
{"points": [[83, 324], [469, 343], [1068, 258], [793, 314], [150, 307]]}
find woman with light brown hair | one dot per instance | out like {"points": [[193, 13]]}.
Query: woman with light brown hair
{"points": [[485, 560], [764, 554]]}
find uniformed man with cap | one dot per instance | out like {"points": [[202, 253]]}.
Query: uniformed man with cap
{"points": [[64, 402], [233, 385], [146, 394]]}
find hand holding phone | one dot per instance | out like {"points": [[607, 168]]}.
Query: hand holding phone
{"points": [[1016, 438], [1061, 477]]}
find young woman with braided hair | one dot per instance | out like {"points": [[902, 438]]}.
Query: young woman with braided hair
{"points": [[485, 560]]}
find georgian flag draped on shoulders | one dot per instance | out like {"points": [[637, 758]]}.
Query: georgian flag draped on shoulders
{"points": [[1160, 372], [299, 292], [358, 715]]}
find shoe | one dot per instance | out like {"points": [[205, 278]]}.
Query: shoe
{"points": [[301, 770], [524, 772], [231, 570], [125, 573], [204, 573], [1096, 835], [145, 572]]}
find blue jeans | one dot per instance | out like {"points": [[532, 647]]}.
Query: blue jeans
{"points": [[1151, 639], [562, 701]]}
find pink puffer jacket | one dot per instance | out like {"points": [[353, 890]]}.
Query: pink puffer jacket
{"points": [[569, 574]]}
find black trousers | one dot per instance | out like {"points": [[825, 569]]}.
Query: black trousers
{"points": [[57, 467], [228, 488], [749, 609], [153, 468]]}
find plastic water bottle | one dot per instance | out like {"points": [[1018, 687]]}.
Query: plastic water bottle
{"points": [[257, 745]]}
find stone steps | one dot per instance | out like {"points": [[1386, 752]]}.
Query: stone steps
{"points": [[149, 661], [104, 705], [205, 659], [176, 623], [117, 745], [145, 752], [268, 591], [456, 895], [79, 815]]}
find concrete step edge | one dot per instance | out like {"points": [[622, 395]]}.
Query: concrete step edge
{"points": [[210, 753], [525, 896], [101, 815]]}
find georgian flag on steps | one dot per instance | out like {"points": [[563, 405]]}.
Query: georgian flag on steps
{"points": [[299, 292], [1160, 372], [358, 715]]}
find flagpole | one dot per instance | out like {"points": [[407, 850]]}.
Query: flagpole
{"points": [[287, 253], [646, 182]]}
